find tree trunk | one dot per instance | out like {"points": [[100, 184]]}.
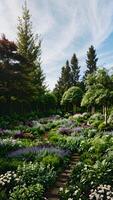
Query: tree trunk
{"points": [[103, 110], [105, 114], [74, 109], [92, 110]]}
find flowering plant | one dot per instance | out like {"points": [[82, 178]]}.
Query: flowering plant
{"points": [[102, 192], [23, 192]]}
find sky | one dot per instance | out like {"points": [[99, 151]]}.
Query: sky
{"points": [[65, 27]]}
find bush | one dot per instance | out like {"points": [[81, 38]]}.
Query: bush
{"points": [[66, 142], [101, 192], [34, 172], [80, 118], [52, 160], [110, 119], [27, 193], [96, 119]]}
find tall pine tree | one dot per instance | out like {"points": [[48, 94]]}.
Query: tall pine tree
{"points": [[29, 46], [64, 82], [66, 76], [91, 61], [75, 70]]}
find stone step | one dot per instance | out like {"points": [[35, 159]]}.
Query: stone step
{"points": [[52, 194], [67, 171], [63, 179], [60, 184], [73, 163], [75, 155], [65, 174], [55, 191], [75, 158]]}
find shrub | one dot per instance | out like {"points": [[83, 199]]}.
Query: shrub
{"points": [[110, 119], [96, 119], [23, 192], [52, 160], [31, 173], [101, 192]]}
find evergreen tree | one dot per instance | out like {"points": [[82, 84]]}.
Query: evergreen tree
{"points": [[91, 61], [64, 82], [15, 87], [66, 76], [75, 70], [29, 46]]}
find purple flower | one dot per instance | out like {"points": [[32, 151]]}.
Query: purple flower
{"points": [[19, 134], [77, 129], [38, 149], [28, 123], [65, 130]]}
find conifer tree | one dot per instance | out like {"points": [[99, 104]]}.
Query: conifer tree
{"points": [[66, 76], [64, 82], [29, 46], [15, 87], [91, 61], [75, 70]]}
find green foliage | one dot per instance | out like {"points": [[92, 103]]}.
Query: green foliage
{"points": [[27, 192], [64, 82], [52, 160], [75, 70], [72, 96], [99, 88], [91, 61], [29, 46], [96, 119], [34, 172], [67, 142], [69, 77], [80, 118]]}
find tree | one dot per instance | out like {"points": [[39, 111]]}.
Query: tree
{"points": [[75, 70], [64, 82], [15, 87], [91, 61], [72, 97], [29, 46], [99, 91], [67, 76]]}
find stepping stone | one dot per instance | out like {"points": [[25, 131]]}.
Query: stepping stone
{"points": [[67, 171], [55, 191], [60, 184], [73, 162], [65, 174], [52, 194], [63, 179]]}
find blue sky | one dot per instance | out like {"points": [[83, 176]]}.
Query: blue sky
{"points": [[66, 26]]}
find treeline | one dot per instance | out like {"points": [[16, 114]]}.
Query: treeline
{"points": [[22, 81], [70, 76]]}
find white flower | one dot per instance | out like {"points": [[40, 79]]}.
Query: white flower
{"points": [[61, 189], [66, 191]]}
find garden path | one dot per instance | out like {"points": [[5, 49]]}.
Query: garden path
{"points": [[53, 193]]}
